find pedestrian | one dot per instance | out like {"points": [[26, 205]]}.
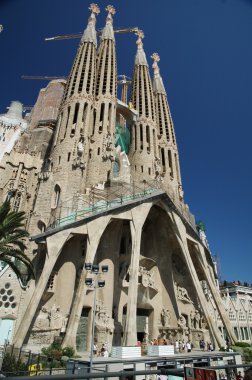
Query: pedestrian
{"points": [[189, 346], [94, 349], [183, 345], [180, 346], [176, 345], [239, 376]]}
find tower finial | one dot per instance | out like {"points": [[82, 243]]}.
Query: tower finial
{"points": [[140, 35], [111, 10], [90, 33], [108, 33], [158, 85], [94, 8], [156, 59], [140, 58]]}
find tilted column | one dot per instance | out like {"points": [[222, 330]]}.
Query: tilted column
{"points": [[143, 153], [95, 230], [54, 246], [217, 297], [136, 225], [180, 232], [168, 150], [101, 148]]}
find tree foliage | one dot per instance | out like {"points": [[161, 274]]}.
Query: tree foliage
{"points": [[12, 242]]}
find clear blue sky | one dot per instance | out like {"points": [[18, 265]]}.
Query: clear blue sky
{"points": [[206, 63]]}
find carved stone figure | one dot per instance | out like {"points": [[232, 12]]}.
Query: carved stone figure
{"points": [[102, 319], [55, 318], [165, 317], [192, 319], [182, 321], [181, 192], [107, 148], [147, 277], [158, 169], [197, 319], [78, 161], [182, 293], [42, 321]]}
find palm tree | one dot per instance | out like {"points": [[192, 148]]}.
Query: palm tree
{"points": [[12, 246]]}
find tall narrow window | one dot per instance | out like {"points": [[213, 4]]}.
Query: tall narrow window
{"points": [[84, 115], [135, 129], [141, 137], [163, 159], [68, 114], [170, 163], [109, 117], [94, 121], [76, 111], [148, 137], [56, 196], [17, 202], [177, 167], [154, 143]]}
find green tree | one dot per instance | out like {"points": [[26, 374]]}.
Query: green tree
{"points": [[12, 242]]}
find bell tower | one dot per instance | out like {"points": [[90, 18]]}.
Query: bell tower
{"points": [[71, 144], [101, 148], [168, 150], [143, 152]]}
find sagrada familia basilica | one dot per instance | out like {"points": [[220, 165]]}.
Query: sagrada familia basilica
{"points": [[99, 180]]}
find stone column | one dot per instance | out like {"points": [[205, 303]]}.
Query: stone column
{"points": [[55, 244], [95, 230], [217, 297], [182, 240], [139, 215]]}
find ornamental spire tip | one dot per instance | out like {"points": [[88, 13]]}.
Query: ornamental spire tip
{"points": [[94, 8], [156, 59], [110, 9]]}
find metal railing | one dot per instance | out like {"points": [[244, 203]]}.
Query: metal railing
{"points": [[116, 195]]}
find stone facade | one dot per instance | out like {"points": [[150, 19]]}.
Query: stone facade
{"points": [[87, 201], [237, 300]]}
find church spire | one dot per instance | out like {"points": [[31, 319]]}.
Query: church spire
{"points": [[158, 85], [89, 34], [108, 32], [143, 151], [140, 58], [168, 151], [102, 132]]}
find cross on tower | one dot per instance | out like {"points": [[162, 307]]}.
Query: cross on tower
{"points": [[110, 9], [94, 8]]}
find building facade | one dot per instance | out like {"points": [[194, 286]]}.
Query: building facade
{"points": [[237, 299], [94, 195]]}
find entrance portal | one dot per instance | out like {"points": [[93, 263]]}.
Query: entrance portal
{"points": [[82, 332], [142, 323]]}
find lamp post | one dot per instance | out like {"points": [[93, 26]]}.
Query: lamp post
{"points": [[94, 283]]}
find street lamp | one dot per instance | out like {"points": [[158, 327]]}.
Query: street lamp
{"points": [[94, 283]]}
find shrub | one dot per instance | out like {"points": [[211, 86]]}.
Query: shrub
{"points": [[11, 364], [242, 344], [68, 351]]}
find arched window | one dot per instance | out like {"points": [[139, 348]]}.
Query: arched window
{"points": [[56, 196], [41, 226], [17, 201], [116, 168]]}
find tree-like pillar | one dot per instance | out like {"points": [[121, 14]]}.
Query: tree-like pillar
{"points": [[95, 230], [217, 297], [139, 215], [55, 244], [182, 240]]}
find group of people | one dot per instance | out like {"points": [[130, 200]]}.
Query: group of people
{"points": [[102, 352], [206, 346]]}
